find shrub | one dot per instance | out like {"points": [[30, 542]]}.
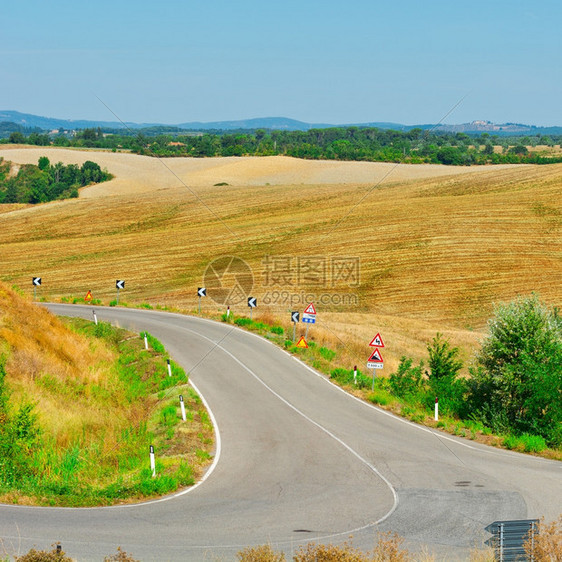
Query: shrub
{"points": [[120, 556], [44, 556], [518, 378], [547, 543], [381, 396], [326, 353], [262, 553], [443, 359], [407, 381], [389, 548], [329, 553]]}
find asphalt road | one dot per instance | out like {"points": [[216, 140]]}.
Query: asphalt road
{"points": [[297, 460]]}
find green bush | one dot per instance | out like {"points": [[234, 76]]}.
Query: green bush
{"points": [[407, 381], [527, 443], [327, 353], [517, 383]]}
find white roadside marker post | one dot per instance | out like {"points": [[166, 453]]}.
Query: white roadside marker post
{"points": [[436, 409], [169, 368], [182, 406], [152, 462], [227, 312], [95, 317], [355, 374], [145, 341]]}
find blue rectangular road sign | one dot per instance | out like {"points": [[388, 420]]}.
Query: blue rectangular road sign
{"points": [[309, 319]]}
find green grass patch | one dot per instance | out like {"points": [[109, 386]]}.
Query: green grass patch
{"points": [[107, 460], [525, 443]]}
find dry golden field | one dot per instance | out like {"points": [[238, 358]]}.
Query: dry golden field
{"points": [[436, 246]]}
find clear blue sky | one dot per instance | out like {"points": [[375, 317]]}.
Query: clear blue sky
{"points": [[320, 61]]}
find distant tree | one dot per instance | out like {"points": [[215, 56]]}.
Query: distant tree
{"points": [[450, 155], [16, 138], [44, 163], [519, 149]]}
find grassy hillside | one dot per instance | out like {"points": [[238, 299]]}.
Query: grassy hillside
{"points": [[434, 252], [80, 404]]}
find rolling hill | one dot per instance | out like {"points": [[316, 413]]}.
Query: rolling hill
{"points": [[435, 246]]}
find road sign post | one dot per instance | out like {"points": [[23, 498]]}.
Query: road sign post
{"points": [[119, 284], [201, 292], [309, 317], [294, 320], [36, 283], [252, 303], [375, 362]]}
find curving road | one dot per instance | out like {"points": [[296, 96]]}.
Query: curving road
{"points": [[298, 460]]}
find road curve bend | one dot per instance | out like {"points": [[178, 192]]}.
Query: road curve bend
{"points": [[300, 460]]}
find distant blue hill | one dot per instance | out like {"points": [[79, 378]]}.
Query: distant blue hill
{"points": [[50, 123], [29, 121]]}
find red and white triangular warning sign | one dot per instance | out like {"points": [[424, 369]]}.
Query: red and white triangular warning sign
{"points": [[377, 341], [310, 309], [376, 357]]}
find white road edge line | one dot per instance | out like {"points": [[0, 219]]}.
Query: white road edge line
{"points": [[319, 426], [322, 428]]}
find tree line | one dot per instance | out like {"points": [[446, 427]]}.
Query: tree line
{"points": [[336, 143], [47, 182]]}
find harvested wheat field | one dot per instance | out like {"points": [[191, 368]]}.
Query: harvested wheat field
{"points": [[137, 174], [429, 249]]}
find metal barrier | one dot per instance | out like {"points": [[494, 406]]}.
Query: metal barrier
{"points": [[510, 536]]}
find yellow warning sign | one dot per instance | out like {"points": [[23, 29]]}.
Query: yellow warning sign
{"points": [[302, 342], [88, 296]]}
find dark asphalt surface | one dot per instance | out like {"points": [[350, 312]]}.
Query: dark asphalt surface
{"points": [[297, 460]]}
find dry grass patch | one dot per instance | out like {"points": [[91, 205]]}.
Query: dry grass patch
{"points": [[100, 401]]}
